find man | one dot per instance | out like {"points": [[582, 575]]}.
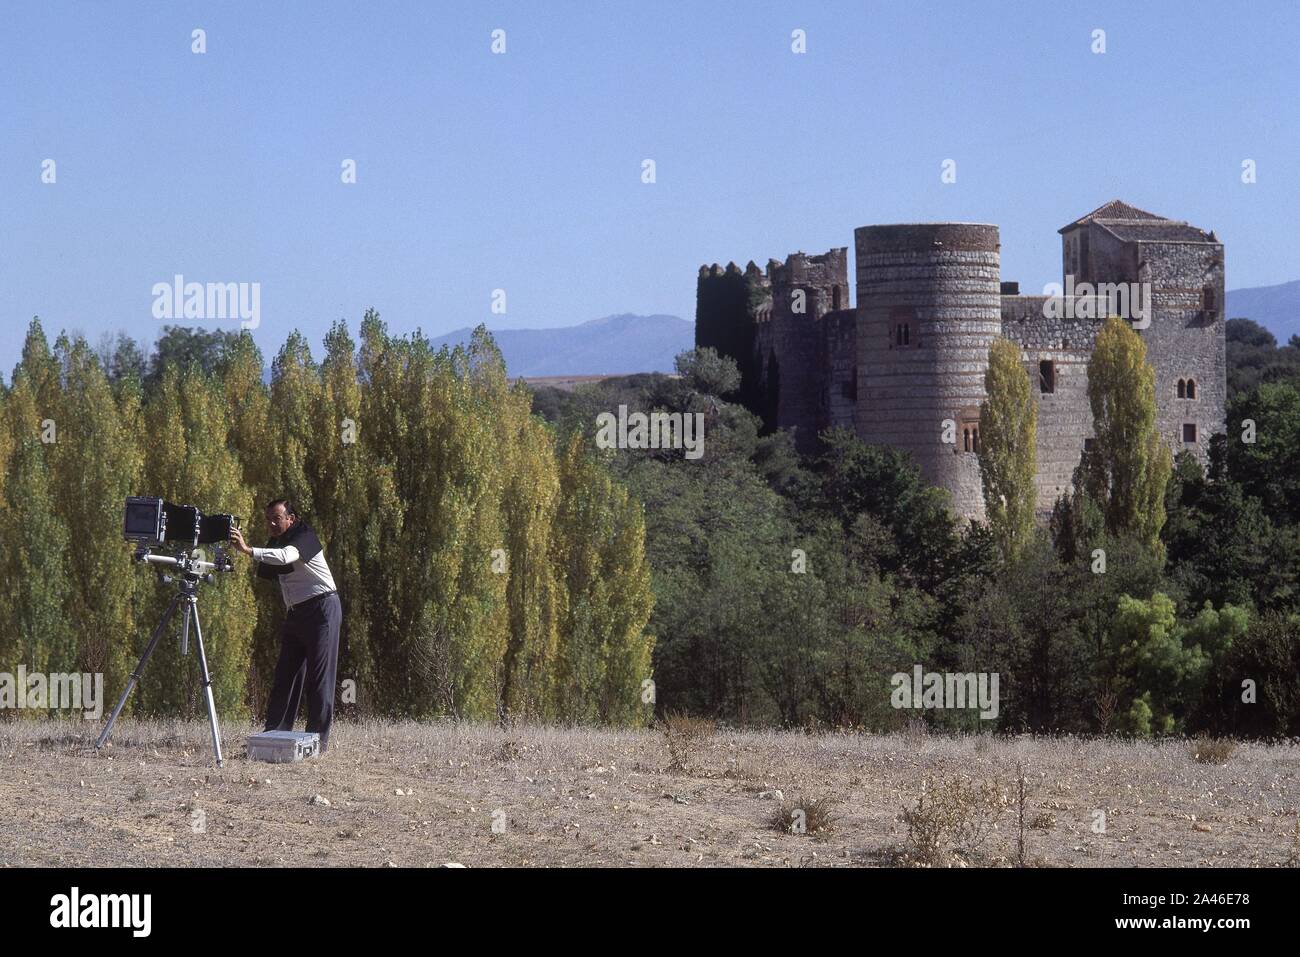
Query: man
{"points": [[309, 638]]}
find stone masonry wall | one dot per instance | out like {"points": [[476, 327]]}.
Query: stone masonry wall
{"points": [[940, 283], [1064, 415]]}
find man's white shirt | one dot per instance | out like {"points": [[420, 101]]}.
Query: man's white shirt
{"points": [[308, 579]]}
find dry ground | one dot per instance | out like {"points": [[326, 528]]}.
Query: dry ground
{"points": [[413, 795]]}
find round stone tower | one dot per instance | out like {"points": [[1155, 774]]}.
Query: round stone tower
{"points": [[929, 306]]}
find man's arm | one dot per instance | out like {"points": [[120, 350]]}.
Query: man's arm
{"points": [[271, 556], [275, 556]]}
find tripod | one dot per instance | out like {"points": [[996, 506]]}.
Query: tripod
{"points": [[187, 595]]}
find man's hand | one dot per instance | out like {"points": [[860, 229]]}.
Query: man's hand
{"points": [[237, 539]]}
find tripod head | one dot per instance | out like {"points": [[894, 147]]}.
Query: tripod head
{"points": [[188, 568]]}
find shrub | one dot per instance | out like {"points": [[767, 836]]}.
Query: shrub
{"points": [[952, 816], [799, 816], [682, 733], [1206, 750]]}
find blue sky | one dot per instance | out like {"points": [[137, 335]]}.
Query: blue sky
{"points": [[522, 171]]}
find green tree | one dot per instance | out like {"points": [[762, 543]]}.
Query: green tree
{"points": [[1158, 672], [34, 546], [1132, 466], [704, 370], [598, 548], [180, 345], [248, 407], [95, 464], [196, 465], [1008, 448]]}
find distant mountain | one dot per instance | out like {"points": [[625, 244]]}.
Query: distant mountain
{"points": [[1276, 308], [615, 345]]}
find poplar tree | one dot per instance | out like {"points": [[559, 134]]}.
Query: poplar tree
{"points": [[295, 397], [383, 431], [7, 441], [453, 522], [599, 550], [355, 505], [534, 595], [248, 404], [1132, 465], [34, 627], [1008, 448], [194, 464], [96, 463]]}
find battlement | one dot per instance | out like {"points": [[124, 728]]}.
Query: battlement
{"points": [[800, 268], [909, 359]]}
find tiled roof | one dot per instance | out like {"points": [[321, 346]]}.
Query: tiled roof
{"points": [[1115, 209], [1160, 231], [1131, 224]]}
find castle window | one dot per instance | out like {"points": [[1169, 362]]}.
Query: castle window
{"points": [[1089, 445], [969, 418], [1182, 388], [900, 324], [1191, 388], [1207, 299], [1189, 432], [1047, 376]]}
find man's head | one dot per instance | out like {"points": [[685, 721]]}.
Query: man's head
{"points": [[280, 516]]}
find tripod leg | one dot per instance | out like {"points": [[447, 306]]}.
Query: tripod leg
{"points": [[207, 683], [139, 669]]}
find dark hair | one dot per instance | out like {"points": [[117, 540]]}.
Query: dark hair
{"points": [[288, 506]]}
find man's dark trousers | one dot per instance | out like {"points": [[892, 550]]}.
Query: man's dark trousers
{"points": [[309, 655]]}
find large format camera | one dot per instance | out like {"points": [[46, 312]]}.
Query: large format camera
{"points": [[152, 521]]}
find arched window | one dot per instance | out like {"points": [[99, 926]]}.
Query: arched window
{"points": [[900, 323], [969, 418], [1191, 388], [1182, 389]]}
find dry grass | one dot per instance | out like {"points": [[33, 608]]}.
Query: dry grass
{"points": [[424, 794], [1213, 750], [683, 733], [804, 816]]}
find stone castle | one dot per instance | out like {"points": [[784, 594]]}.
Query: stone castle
{"points": [[905, 366]]}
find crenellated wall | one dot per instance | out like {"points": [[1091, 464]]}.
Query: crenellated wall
{"points": [[910, 357], [804, 289]]}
